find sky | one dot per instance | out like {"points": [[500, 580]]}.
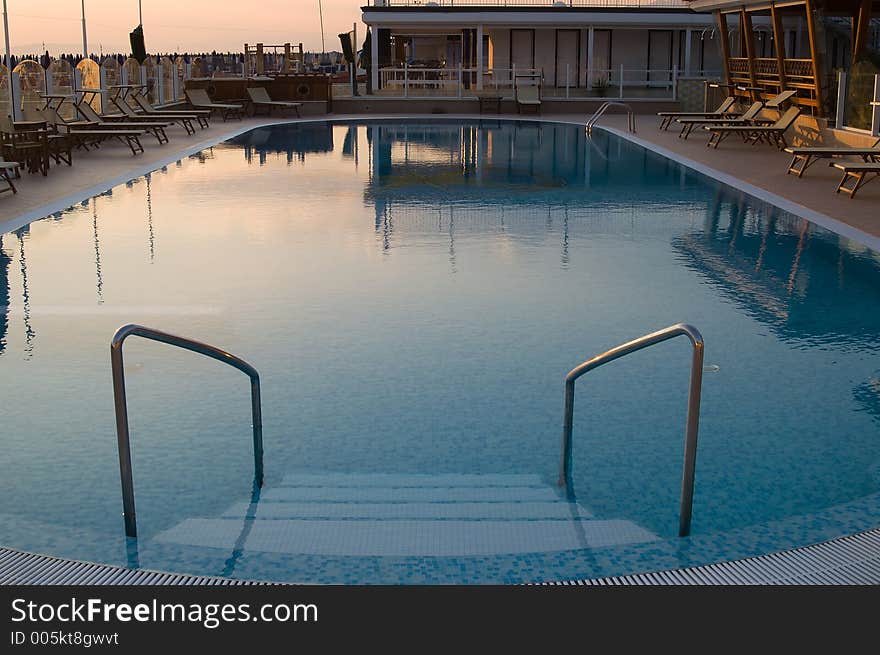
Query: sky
{"points": [[178, 25]]}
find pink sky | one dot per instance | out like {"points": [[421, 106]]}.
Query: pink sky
{"points": [[185, 25]]}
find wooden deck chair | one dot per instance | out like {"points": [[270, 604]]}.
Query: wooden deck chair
{"points": [[200, 115], [749, 117], [858, 173], [156, 128], [128, 112], [260, 99], [804, 157], [199, 99], [527, 96], [726, 107], [779, 99], [772, 134], [87, 135]]}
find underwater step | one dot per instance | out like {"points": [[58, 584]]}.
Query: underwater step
{"points": [[402, 538], [527, 510], [394, 515]]}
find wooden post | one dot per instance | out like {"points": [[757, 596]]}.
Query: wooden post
{"points": [[860, 29], [725, 43], [778, 45], [814, 55], [746, 29], [286, 66], [259, 64]]}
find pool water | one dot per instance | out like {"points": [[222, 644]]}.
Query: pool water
{"points": [[413, 294]]}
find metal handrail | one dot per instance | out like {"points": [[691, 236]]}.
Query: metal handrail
{"points": [[122, 432], [630, 117], [693, 413]]}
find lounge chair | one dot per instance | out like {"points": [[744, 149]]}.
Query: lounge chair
{"points": [[107, 121], [199, 99], [726, 107], [859, 173], [749, 117], [772, 134], [528, 96], [200, 115], [260, 98], [85, 135], [128, 112], [804, 157]]}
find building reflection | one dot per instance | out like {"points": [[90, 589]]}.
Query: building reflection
{"points": [[293, 141], [806, 284], [524, 178], [5, 261]]}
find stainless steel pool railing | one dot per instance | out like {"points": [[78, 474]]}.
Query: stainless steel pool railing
{"points": [[693, 412], [122, 431], [630, 117]]}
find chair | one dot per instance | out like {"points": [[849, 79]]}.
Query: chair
{"points": [[157, 129], [772, 134], [27, 144], [200, 115], [7, 167], [748, 117], [804, 157], [128, 112], [199, 99], [92, 134], [859, 173], [726, 107], [527, 96], [260, 98]]}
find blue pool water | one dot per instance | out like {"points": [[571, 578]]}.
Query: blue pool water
{"points": [[413, 294]]}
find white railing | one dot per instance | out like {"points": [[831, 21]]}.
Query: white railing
{"points": [[570, 83], [637, 4]]}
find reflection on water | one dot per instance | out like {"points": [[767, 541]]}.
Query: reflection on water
{"points": [[807, 289], [339, 259], [5, 260]]}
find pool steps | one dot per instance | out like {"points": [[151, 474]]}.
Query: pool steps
{"points": [[445, 515]]}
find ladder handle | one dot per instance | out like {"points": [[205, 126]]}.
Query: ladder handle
{"points": [[693, 413], [119, 397], [630, 116]]}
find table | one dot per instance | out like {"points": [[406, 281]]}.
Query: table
{"points": [[56, 100], [487, 102]]}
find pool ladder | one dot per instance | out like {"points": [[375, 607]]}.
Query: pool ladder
{"points": [[630, 117], [122, 432], [693, 412]]}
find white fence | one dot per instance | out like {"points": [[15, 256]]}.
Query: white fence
{"points": [[570, 83]]}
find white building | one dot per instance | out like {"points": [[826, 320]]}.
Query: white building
{"points": [[577, 48]]}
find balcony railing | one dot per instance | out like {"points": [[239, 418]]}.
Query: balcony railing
{"points": [[600, 4]]}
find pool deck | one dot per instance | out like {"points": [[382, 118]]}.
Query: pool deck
{"points": [[757, 169]]}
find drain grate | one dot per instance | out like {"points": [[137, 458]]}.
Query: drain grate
{"points": [[848, 560]]}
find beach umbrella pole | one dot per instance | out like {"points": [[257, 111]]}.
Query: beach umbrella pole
{"points": [[8, 63]]}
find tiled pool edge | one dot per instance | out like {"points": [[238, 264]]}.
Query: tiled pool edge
{"points": [[849, 560]]}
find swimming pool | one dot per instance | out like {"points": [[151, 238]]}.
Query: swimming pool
{"points": [[413, 294]]}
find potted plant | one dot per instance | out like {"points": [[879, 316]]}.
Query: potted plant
{"points": [[600, 84]]}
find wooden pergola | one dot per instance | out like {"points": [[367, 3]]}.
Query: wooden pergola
{"points": [[763, 77]]}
